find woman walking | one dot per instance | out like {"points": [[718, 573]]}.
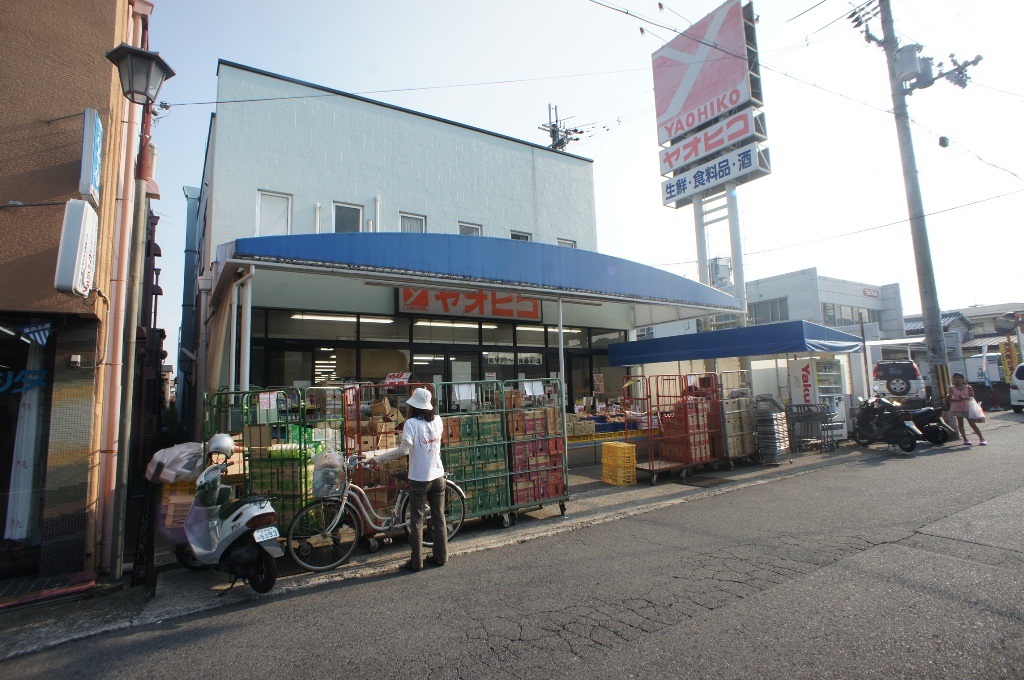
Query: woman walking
{"points": [[961, 399]]}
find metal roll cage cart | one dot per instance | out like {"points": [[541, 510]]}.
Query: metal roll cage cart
{"points": [[739, 428], [684, 422]]}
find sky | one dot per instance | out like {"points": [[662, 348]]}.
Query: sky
{"points": [[835, 199]]}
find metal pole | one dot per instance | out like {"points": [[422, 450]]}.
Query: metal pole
{"points": [[246, 350], [133, 300], [739, 279], [561, 357], [930, 311]]}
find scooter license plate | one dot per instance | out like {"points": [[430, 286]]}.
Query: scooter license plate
{"points": [[265, 534]]}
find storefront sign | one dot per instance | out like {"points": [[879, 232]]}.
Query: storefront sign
{"points": [[1007, 351], [26, 379], [711, 140], [507, 359], [76, 255], [479, 304], [701, 73], [748, 161], [871, 292], [92, 158], [397, 378]]}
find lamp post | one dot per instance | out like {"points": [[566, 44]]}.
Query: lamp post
{"points": [[142, 73]]}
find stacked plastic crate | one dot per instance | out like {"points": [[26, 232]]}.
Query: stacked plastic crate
{"points": [[618, 463], [473, 452], [772, 429], [536, 450]]}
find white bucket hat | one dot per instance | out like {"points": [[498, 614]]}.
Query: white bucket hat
{"points": [[421, 399]]}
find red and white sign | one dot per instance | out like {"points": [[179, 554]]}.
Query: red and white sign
{"points": [[732, 130], [489, 304], [701, 73], [397, 378]]}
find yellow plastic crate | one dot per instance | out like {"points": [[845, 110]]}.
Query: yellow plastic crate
{"points": [[619, 476], [618, 454]]}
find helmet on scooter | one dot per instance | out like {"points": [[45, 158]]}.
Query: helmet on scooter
{"points": [[222, 443]]}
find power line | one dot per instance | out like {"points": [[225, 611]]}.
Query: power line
{"points": [[858, 231]]}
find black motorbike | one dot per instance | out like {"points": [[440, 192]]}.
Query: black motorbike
{"points": [[929, 422], [881, 420]]}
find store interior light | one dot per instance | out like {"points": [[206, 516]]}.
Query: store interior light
{"points": [[302, 316], [537, 329]]}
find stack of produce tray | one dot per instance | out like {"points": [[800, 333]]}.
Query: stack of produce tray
{"points": [[772, 430]]}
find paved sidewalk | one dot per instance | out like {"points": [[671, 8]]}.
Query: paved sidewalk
{"points": [[178, 593]]}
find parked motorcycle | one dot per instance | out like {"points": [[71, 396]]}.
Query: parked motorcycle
{"points": [[881, 420], [235, 536], [929, 421]]}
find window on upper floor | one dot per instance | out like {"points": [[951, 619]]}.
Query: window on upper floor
{"points": [[273, 214], [467, 229], [521, 236], [768, 311], [347, 218], [413, 224], [566, 243]]}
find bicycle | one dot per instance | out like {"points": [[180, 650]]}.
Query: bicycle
{"points": [[324, 533]]}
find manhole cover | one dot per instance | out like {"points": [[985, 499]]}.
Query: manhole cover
{"points": [[698, 480]]}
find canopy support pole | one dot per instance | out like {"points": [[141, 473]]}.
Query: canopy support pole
{"points": [[561, 357]]}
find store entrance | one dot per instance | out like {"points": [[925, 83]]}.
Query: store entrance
{"points": [[445, 366], [579, 388]]}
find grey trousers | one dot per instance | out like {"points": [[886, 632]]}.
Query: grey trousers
{"points": [[420, 494]]}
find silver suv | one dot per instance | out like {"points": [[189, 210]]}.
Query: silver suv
{"points": [[898, 378]]}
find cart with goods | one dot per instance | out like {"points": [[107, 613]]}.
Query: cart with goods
{"points": [[372, 421], [473, 445], [535, 430], [738, 426], [689, 431], [772, 429]]}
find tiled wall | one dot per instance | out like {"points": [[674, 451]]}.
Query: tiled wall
{"points": [[68, 512]]}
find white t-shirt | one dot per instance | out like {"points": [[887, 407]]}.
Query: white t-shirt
{"points": [[422, 442]]}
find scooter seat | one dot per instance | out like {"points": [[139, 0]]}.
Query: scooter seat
{"points": [[235, 505]]}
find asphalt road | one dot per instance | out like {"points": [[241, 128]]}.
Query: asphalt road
{"points": [[886, 566]]}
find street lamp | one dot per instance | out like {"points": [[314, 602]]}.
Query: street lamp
{"points": [[141, 73]]}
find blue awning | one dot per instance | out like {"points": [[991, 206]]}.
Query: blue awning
{"points": [[452, 260], [787, 337]]}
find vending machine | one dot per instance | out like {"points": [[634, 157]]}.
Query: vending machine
{"points": [[820, 381]]}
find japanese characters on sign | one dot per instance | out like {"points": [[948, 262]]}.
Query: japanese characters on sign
{"points": [[24, 380], [701, 73], [732, 130], [489, 304], [730, 167], [397, 378]]}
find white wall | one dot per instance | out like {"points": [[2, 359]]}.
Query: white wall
{"points": [[323, 149]]}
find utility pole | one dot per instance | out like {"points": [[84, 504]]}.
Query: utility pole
{"points": [[930, 311], [560, 136]]}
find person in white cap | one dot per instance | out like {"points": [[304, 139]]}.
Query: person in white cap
{"points": [[421, 440]]}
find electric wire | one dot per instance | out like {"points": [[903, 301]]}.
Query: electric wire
{"points": [[857, 231]]}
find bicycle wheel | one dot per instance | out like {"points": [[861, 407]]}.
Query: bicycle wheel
{"points": [[323, 535], [454, 515]]}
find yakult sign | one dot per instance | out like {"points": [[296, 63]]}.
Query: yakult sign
{"points": [[701, 73]]}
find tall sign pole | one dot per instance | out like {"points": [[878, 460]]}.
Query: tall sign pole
{"points": [[930, 312]]}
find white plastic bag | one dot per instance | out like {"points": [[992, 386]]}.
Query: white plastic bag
{"points": [[975, 412], [182, 463], [327, 476]]}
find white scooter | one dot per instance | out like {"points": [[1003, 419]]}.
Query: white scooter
{"points": [[236, 536]]}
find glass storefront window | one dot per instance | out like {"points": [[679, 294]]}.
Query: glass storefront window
{"points": [[333, 365], [497, 333], [530, 336], [530, 365], [446, 332], [26, 379], [427, 367], [574, 338], [600, 338], [288, 368], [375, 364], [311, 325], [383, 328]]}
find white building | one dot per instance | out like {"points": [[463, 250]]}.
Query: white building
{"points": [[336, 238]]}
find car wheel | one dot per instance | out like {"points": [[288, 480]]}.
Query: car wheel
{"points": [[898, 386], [1018, 409]]}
